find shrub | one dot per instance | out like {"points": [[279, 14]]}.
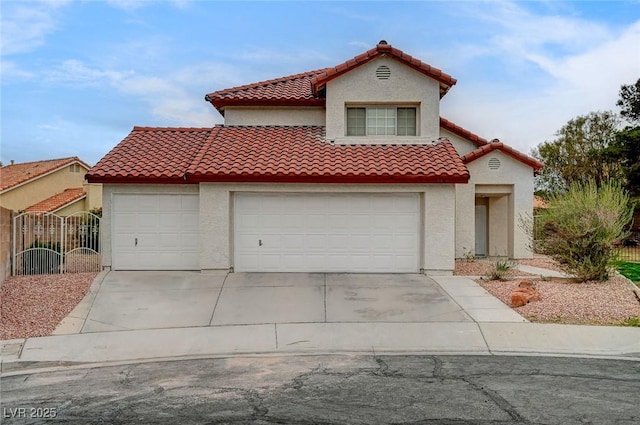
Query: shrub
{"points": [[582, 227], [499, 270]]}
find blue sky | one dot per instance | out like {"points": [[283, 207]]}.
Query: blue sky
{"points": [[76, 76]]}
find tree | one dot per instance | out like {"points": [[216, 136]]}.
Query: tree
{"points": [[629, 101], [580, 153], [627, 150], [583, 226]]}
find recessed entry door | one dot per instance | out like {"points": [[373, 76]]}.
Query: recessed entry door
{"points": [[329, 232], [481, 218], [155, 232]]}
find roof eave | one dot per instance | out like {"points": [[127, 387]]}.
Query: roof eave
{"points": [[344, 179], [137, 180], [221, 104]]}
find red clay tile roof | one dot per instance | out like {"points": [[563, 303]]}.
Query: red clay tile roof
{"points": [[304, 89], [16, 174], [466, 134], [293, 90], [273, 154], [384, 49], [58, 201], [507, 150], [161, 155]]}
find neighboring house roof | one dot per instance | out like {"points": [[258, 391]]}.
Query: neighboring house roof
{"points": [[58, 201], [305, 89], [383, 49], [507, 150], [14, 175], [272, 154]]}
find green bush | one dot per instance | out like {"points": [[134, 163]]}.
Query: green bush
{"points": [[581, 228], [500, 269]]}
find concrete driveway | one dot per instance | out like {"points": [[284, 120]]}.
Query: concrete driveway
{"points": [[153, 300]]}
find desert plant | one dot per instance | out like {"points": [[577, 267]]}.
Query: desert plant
{"points": [[631, 321], [500, 269], [468, 254], [582, 227]]}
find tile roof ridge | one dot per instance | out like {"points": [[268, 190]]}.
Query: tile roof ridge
{"points": [[496, 144], [381, 49], [204, 148], [460, 131], [271, 126], [68, 158], [146, 128]]}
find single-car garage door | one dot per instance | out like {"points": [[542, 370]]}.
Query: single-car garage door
{"points": [[364, 233], [155, 232]]}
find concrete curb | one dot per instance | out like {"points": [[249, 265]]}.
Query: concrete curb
{"points": [[75, 320]]}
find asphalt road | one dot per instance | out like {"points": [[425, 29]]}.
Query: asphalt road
{"points": [[332, 390]]}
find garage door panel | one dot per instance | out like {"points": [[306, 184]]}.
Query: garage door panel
{"points": [[166, 228], [326, 232]]}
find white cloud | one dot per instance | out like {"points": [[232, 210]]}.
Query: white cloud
{"points": [[9, 70], [77, 73], [583, 64], [176, 98], [130, 5], [25, 25]]}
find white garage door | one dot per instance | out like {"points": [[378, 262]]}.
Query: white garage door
{"points": [[155, 232], [365, 233]]}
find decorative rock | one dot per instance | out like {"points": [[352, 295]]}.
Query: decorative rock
{"points": [[524, 294]]}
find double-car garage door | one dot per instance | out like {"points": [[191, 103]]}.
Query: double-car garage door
{"points": [[273, 232], [366, 233]]}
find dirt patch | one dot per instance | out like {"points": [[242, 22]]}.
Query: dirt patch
{"points": [[33, 306]]}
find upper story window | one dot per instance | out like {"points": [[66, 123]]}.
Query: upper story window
{"points": [[381, 121], [74, 168]]}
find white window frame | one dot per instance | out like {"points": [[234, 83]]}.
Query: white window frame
{"points": [[378, 120]]}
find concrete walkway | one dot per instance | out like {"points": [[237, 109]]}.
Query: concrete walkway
{"points": [[474, 322]]}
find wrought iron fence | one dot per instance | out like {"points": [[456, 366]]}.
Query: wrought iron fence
{"points": [[629, 249], [45, 243]]}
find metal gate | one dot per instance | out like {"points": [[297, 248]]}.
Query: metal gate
{"points": [[46, 243]]}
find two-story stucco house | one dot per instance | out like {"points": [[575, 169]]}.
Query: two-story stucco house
{"points": [[52, 186], [343, 169]]}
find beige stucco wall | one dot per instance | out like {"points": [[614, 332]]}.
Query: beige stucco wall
{"points": [[6, 234], [439, 223], [438, 207], [461, 145], [79, 205], [510, 192], [236, 115], [405, 87], [108, 192], [94, 195], [42, 188]]}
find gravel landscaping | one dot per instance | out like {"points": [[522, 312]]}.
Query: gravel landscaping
{"points": [[563, 300], [33, 306]]}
